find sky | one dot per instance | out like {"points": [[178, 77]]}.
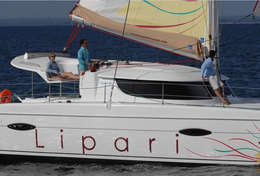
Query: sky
{"points": [[56, 11]]}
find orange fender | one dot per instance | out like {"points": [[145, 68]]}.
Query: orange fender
{"points": [[6, 96]]}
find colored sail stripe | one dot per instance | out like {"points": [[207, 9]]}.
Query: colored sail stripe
{"points": [[228, 151], [221, 156], [253, 134], [240, 153], [168, 26], [256, 126], [186, 30], [173, 13], [245, 140]]}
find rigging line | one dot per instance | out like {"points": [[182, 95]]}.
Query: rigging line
{"points": [[256, 4], [243, 18], [245, 36], [71, 34], [74, 35], [117, 62], [237, 22]]}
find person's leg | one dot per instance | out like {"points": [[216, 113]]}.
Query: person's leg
{"points": [[52, 76], [222, 99], [223, 91], [214, 84], [222, 87], [69, 75]]}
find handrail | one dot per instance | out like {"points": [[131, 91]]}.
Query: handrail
{"points": [[161, 97], [72, 81]]}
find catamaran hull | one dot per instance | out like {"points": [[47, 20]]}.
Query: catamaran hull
{"points": [[163, 133]]}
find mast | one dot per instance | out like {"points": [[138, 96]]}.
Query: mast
{"points": [[214, 33], [217, 39]]}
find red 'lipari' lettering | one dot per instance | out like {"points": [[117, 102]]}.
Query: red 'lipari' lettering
{"points": [[84, 147], [125, 140]]}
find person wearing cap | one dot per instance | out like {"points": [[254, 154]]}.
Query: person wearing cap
{"points": [[53, 71], [208, 73], [83, 57]]}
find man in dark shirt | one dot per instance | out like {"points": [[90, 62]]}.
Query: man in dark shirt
{"points": [[53, 71]]}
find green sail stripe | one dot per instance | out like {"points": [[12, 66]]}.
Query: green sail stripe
{"points": [[253, 134], [228, 151], [173, 13]]}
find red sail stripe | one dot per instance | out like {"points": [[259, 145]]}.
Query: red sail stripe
{"points": [[190, 27], [256, 126], [231, 148], [240, 139], [220, 156]]}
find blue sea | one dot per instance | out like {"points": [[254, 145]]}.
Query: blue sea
{"points": [[240, 61]]}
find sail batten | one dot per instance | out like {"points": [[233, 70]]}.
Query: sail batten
{"points": [[177, 26]]}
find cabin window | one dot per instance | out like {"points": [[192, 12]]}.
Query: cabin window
{"points": [[21, 126], [195, 132], [167, 90]]}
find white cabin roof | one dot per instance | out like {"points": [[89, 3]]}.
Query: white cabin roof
{"points": [[156, 72], [38, 64], [146, 71]]}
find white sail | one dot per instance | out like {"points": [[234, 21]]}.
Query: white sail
{"points": [[179, 26]]}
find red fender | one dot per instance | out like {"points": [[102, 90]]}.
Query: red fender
{"points": [[6, 96]]}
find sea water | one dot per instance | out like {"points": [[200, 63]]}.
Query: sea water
{"points": [[239, 60]]}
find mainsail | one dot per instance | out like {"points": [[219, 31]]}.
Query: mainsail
{"points": [[179, 26]]}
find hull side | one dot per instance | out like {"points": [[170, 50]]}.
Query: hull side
{"points": [[126, 132]]}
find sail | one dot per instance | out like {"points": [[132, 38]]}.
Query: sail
{"points": [[179, 26], [256, 9]]}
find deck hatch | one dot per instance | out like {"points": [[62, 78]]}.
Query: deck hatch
{"points": [[21, 126], [195, 132]]}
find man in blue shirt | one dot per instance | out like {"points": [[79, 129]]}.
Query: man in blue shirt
{"points": [[208, 73], [83, 57], [53, 71]]}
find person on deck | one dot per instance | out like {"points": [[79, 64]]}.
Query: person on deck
{"points": [[83, 57], [208, 73], [54, 73]]}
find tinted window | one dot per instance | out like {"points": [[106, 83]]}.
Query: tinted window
{"points": [[166, 90]]}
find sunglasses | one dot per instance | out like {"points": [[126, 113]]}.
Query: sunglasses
{"points": [[53, 56]]}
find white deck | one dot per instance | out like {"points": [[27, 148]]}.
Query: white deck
{"points": [[93, 83], [38, 65]]}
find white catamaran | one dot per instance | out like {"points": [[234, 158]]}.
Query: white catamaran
{"points": [[135, 110]]}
